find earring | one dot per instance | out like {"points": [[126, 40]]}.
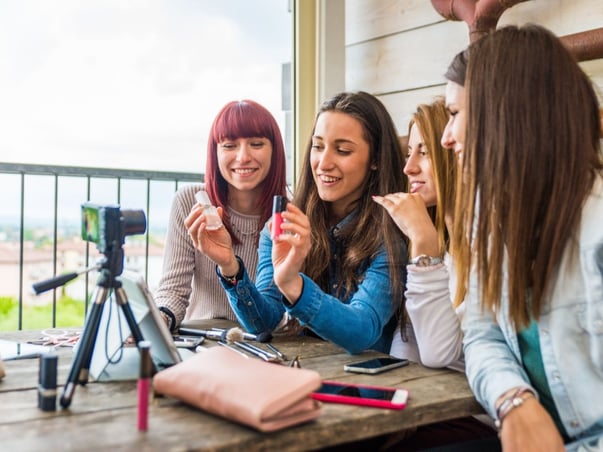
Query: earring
{"points": [[373, 167]]}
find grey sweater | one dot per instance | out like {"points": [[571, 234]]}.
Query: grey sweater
{"points": [[189, 285]]}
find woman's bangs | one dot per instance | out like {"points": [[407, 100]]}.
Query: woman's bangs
{"points": [[244, 121]]}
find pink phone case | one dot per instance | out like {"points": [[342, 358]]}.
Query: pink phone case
{"points": [[350, 400]]}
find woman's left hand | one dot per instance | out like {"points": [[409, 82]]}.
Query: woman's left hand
{"points": [[289, 251]]}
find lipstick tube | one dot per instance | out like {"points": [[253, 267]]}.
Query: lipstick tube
{"points": [[47, 382], [278, 205], [144, 385]]}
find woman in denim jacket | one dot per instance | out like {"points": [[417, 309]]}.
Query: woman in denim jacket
{"points": [[531, 204], [338, 267]]}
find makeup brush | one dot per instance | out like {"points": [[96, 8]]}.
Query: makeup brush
{"points": [[209, 334], [260, 350], [240, 335], [232, 335], [221, 334], [257, 352]]}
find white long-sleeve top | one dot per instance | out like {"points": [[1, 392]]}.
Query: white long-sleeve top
{"points": [[434, 335]]}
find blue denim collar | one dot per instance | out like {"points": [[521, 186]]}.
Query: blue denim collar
{"points": [[336, 230]]}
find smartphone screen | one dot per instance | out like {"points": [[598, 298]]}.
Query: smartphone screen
{"points": [[357, 391], [354, 394], [376, 365]]}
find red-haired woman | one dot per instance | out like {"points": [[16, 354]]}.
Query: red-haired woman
{"points": [[245, 168]]}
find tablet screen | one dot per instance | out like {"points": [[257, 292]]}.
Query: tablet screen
{"points": [[20, 350]]}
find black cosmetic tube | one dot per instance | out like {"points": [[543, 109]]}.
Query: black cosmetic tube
{"points": [[47, 387], [278, 203]]}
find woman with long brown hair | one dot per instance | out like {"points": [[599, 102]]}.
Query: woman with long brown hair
{"points": [[531, 205]]}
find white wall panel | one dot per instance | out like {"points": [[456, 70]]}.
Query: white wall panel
{"points": [[369, 19], [402, 105], [409, 60], [400, 49]]}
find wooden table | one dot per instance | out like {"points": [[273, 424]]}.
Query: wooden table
{"points": [[102, 416]]}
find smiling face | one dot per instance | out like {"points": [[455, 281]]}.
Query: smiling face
{"points": [[244, 162], [340, 159], [419, 169], [454, 134]]}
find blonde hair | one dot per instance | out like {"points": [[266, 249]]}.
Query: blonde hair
{"points": [[431, 120]]}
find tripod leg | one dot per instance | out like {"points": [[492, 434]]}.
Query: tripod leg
{"points": [[122, 300], [83, 355]]}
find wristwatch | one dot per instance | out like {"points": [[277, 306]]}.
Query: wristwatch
{"points": [[232, 280], [423, 260], [168, 316]]}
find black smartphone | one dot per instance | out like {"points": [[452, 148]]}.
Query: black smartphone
{"points": [[376, 365], [188, 341]]}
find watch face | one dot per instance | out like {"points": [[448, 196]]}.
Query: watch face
{"points": [[426, 261], [423, 261]]}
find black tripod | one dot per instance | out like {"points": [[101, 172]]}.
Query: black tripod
{"points": [[111, 266], [107, 226]]}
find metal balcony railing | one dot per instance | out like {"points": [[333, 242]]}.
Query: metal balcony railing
{"points": [[115, 183]]}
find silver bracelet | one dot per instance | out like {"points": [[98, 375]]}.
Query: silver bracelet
{"points": [[511, 402]]}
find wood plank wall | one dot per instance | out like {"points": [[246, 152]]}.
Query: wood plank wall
{"points": [[400, 49]]}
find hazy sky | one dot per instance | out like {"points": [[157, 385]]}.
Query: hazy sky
{"points": [[132, 83]]}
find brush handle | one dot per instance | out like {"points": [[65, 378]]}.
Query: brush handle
{"points": [[243, 346], [215, 335], [254, 351], [277, 351], [224, 344], [259, 350]]}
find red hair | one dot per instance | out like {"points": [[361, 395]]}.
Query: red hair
{"points": [[245, 119]]}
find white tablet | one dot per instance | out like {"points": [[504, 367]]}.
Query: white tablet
{"points": [[111, 360], [20, 350]]}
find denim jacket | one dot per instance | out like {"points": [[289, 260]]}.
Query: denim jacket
{"points": [[570, 332], [359, 321]]}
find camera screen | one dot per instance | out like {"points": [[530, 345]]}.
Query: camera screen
{"points": [[90, 223], [355, 391]]}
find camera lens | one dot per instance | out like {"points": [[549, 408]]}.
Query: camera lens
{"points": [[134, 221]]}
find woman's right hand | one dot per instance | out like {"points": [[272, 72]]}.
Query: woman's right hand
{"points": [[410, 214], [215, 244]]}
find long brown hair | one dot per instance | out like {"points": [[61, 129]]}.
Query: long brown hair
{"points": [[372, 227], [531, 155], [245, 119]]}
